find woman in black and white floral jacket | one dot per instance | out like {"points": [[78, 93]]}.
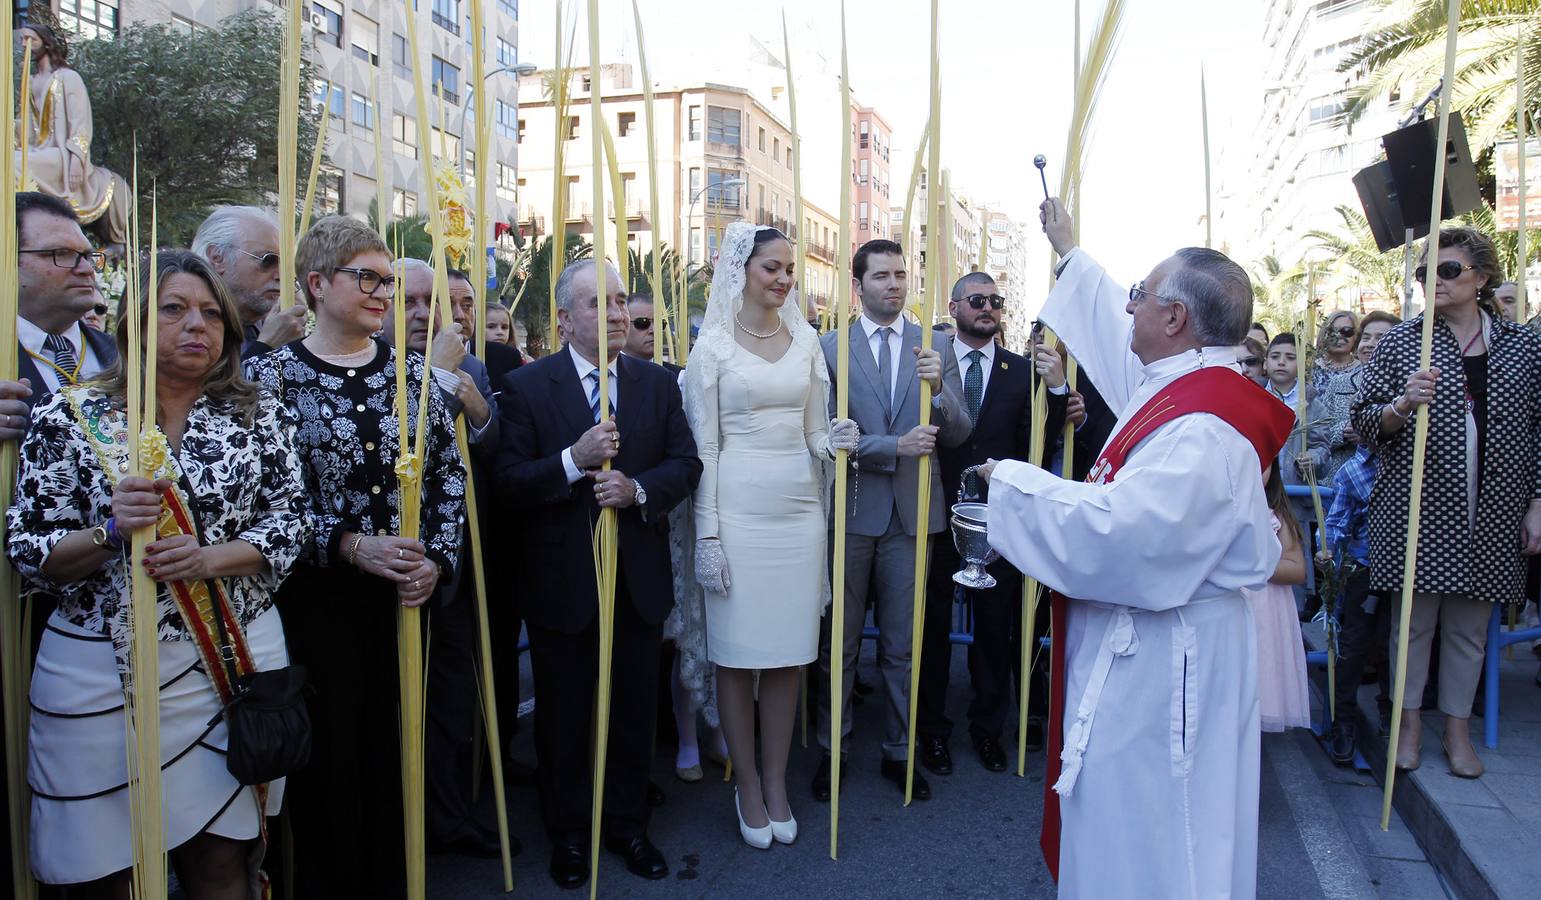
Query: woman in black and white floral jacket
{"points": [[1481, 499], [230, 449]]}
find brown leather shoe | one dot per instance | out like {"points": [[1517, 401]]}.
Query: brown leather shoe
{"points": [[1410, 741], [1463, 759]]}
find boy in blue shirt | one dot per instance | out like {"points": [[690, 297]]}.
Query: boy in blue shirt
{"points": [[1363, 624]]}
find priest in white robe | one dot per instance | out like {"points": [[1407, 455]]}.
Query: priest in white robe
{"points": [[1159, 789]]}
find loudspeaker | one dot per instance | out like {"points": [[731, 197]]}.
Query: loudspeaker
{"points": [[1378, 195]]}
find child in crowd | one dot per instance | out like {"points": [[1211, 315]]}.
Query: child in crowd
{"points": [[1363, 626], [500, 325], [1309, 444], [1252, 357], [1281, 662]]}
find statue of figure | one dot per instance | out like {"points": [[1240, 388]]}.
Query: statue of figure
{"points": [[59, 139]]}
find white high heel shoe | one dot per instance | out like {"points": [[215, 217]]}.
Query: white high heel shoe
{"points": [[758, 838], [784, 832]]}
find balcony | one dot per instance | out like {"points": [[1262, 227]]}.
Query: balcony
{"points": [[717, 148], [635, 208], [822, 251]]}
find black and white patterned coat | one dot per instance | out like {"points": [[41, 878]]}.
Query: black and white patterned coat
{"points": [[1453, 556], [348, 437], [245, 485]]}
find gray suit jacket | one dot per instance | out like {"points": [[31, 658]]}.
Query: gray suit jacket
{"points": [[884, 480]]}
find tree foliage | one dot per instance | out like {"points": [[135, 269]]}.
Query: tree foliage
{"points": [[203, 108]]}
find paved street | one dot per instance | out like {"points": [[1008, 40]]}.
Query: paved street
{"points": [[977, 837]]}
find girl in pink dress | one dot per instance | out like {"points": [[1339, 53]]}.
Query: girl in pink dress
{"points": [[1281, 660]]}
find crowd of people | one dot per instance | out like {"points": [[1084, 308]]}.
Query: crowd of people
{"points": [[281, 431]]}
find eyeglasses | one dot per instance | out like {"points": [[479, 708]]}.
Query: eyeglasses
{"points": [[65, 258], [370, 281], [642, 323], [1250, 361], [1449, 270], [264, 260], [1341, 332], [978, 301], [1138, 288], [100, 309]]}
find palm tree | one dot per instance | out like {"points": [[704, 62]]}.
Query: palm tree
{"points": [[1276, 292], [528, 287], [1404, 49], [1354, 256]]}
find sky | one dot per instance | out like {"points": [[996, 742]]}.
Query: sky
{"points": [[1007, 94]]}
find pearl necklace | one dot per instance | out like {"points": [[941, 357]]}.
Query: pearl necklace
{"points": [[755, 334]]}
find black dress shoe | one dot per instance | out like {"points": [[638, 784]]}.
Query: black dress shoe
{"points": [[642, 858], [1034, 733], [894, 769], [569, 866], [991, 756], [935, 756], [655, 796], [1340, 743], [821, 777]]}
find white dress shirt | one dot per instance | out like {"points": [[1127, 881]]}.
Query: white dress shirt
{"points": [[584, 367], [962, 350], [32, 338]]}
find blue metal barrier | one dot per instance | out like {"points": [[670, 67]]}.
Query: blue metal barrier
{"points": [[1497, 640]]}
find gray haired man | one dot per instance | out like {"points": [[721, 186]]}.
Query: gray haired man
{"points": [[241, 243]]}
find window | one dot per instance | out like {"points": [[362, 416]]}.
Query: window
{"points": [[762, 140], [789, 157], [624, 123], [507, 184], [574, 196], [695, 183], [1326, 108], [628, 189], [445, 145], [862, 171], [90, 19], [403, 204], [404, 135], [366, 39], [572, 129], [331, 96], [775, 148], [695, 246], [402, 56], [520, 139], [588, 86], [864, 216], [326, 18], [446, 80], [470, 166], [694, 133], [509, 8], [507, 55], [722, 126], [183, 26], [760, 206], [507, 121], [364, 114], [329, 185], [446, 15], [718, 194]]}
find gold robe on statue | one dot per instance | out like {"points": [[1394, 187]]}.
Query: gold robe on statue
{"points": [[59, 157]]}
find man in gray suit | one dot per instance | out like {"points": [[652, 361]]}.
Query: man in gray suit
{"points": [[887, 366]]}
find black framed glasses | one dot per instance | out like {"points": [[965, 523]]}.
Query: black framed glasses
{"points": [[1449, 270], [978, 301], [370, 281], [1137, 289], [642, 323], [264, 260], [66, 258]]}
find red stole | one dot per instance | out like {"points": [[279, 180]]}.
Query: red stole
{"points": [[1258, 416]]}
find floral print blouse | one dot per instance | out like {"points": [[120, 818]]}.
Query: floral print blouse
{"points": [[347, 438], [242, 483]]}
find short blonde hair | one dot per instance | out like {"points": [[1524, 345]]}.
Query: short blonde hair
{"points": [[330, 244]]}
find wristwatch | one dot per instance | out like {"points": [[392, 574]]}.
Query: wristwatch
{"points": [[641, 494], [105, 536]]}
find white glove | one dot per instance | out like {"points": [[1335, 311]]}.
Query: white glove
{"points": [[843, 434], [712, 566]]}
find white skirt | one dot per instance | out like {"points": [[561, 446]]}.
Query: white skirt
{"points": [[77, 762]]}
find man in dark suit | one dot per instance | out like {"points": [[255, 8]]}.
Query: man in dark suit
{"points": [[555, 440], [56, 271], [995, 385]]}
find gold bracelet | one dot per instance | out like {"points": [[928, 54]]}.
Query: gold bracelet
{"points": [[353, 549]]}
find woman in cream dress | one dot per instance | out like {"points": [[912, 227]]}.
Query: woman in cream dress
{"points": [[756, 391]]}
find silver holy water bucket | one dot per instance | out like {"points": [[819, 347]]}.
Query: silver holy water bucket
{"points": [[971, 537]]}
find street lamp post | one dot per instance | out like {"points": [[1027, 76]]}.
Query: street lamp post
{"points": [[690, 216], [518, 70]]}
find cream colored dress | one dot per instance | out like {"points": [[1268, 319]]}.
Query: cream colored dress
{"points": [[59, 156], [764, 429]]}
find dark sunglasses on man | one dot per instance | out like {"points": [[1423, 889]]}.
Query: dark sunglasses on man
{"points": [[978, 301], [1449, 270], [642, 323], [265, 261]]}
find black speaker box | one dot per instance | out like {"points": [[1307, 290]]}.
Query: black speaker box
{"points": [[1410, 158], [1378, 196]]}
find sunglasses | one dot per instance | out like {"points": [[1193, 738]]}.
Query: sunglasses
{"points": [[642, 323], [1449, 270], [100, 309], [1341, 332], [978, 301], [264, 260], [1250, 361]]}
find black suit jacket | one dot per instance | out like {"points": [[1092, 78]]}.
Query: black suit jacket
{"points": [[501, 359], [103, 346], [1091, 437], [544, 411], [1005, 425]]}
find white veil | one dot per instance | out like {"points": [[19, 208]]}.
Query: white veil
{"points": [[715, 343]]}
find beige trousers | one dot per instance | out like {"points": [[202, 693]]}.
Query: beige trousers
{"points": [[1462, 622]]}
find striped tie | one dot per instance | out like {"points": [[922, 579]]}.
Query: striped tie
{"points": [[593, 379], [64, 356]]}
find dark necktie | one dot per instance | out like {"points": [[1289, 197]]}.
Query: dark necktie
{"points": [[64, 356], [593, 379], [885, 371], [974, 383]]}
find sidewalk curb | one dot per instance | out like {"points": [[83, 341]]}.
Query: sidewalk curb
{"points": [[1339, 871]]}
